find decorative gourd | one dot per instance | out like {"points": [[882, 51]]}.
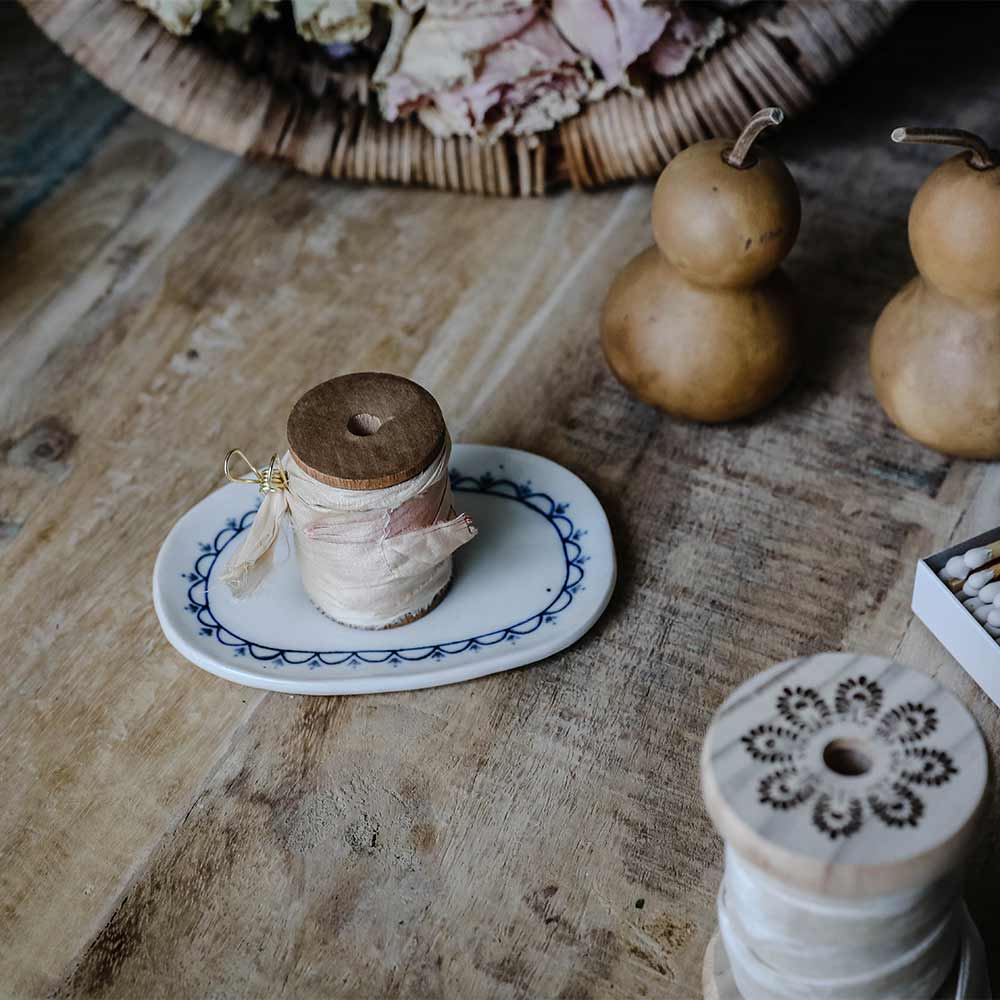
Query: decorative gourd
{"points": [[935, 353], [703, 325]]}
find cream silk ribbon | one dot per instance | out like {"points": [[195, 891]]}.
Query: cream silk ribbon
{"points": [[784, 944], [368, 558]]}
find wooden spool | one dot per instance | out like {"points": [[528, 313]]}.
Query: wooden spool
{"points": [[842, 776], [367, 431]]}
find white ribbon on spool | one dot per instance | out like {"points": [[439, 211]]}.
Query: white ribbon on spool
{"points": [[784, 944], [368, 558]]}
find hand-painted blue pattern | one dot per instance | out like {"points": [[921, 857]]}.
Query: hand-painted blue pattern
{"points": [[523, 493]]}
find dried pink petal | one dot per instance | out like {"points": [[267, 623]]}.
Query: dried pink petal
{"points": [[612, 33], [688, 35], [445, 52], [524, 85]]}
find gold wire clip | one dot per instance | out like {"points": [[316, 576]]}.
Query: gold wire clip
{"points": [[271, 480]]}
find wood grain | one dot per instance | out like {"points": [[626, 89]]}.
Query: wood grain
{"points": [[533, 834], [365, 431]]}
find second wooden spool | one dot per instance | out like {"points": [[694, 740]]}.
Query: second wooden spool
{"points": [[844, 778]]}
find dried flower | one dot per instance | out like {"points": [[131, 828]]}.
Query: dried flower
{"points": [[487, 75], [689, 34], [483, 68]]}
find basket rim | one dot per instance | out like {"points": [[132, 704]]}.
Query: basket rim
{"points": [[196, 89]]}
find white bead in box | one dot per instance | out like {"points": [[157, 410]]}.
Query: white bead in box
{"points": [[956, 629]]}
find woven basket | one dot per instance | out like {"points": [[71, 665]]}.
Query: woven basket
{"points": [[270, 100]]}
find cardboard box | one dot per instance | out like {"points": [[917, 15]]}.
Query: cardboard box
{"points": [[955, 627]]}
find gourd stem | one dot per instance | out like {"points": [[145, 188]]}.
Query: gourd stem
{"points": [[982, 158], [736, 156]]}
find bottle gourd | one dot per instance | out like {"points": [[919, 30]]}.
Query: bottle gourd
{"points": [[935, 353], [703, 325]]}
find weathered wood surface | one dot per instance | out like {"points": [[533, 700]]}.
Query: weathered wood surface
{"points": [[533, 834]]}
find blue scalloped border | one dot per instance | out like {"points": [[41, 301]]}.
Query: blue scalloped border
{"points": [[523, 493]]}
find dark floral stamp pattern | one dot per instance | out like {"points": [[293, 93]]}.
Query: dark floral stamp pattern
{"points": [[893, 800]]}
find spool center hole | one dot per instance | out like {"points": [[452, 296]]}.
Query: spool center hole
{"points": [[849, 758], [363, 424]]}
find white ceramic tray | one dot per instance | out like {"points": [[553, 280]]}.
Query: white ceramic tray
{"points": [[533, 581]]}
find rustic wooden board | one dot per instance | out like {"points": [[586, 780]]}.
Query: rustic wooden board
{"points": [[535, 834]]}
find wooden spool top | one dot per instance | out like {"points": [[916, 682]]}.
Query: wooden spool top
{"points": [[845, 775], [366, 431]]}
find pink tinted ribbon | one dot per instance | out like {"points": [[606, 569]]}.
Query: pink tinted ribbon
{"points": [[368, 558]]}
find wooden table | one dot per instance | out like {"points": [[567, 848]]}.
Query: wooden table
{"points": [[533, 834]]}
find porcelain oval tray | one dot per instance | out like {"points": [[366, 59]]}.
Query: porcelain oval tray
{"points": [[534, 580]]}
